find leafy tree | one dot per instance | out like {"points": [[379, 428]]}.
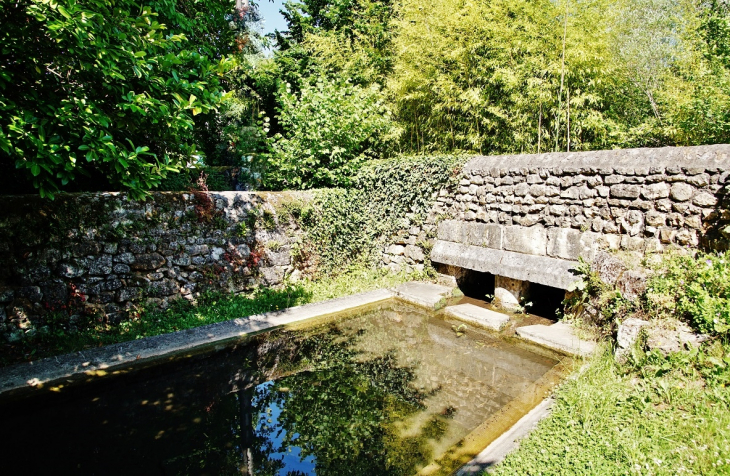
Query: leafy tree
{"points": [[108, 86]]}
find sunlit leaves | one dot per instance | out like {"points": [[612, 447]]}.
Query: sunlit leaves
{"points": [[102, 80]]}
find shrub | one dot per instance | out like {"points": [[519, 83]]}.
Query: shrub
{"points": [[330, 129], [696, 289]]}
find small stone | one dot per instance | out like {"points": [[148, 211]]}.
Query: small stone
{"points": [[625, 191], [148, 262], [705, 199], [397, 250], [654, 191], [681, 192]]}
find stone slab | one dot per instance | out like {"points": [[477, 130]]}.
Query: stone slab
{"points": [[554, 272], [432, 296], [560, 337], [478, 316], [96, 362]]}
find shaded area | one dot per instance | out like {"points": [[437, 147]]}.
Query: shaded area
{"points": [[385, 392], [546, 301]]}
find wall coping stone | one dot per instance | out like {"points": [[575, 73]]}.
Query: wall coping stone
{"points": [[696, 157]]}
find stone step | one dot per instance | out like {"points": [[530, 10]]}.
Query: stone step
{"points": [[478, 316], [560, 337], [432, 296]]}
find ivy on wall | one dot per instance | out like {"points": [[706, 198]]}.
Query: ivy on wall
{"points": [[348, 226]]}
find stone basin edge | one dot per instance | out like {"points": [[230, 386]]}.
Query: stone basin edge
{"points": [[25, 377]]}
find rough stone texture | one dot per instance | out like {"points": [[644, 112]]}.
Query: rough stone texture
{"points": [[560, 337], [529, 240], [510, 293], [105, 254], [608, 268], [571, 205], [478, 316], [534, 269], [628, 333], [668, 341], [632, 284]]}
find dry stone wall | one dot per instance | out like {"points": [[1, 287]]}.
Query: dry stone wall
{"points": [[566, 205], [103, 254]]}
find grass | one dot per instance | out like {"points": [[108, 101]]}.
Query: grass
{"points": [[210, 308], [655, 416]]}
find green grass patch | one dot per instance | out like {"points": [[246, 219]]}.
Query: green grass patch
{"points": [[655, 416], [210, 308]]}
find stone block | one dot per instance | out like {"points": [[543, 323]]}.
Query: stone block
{"points": [[510, 293], [280, 258], [450, 230], [625, 191], [432, 296], [628, 333], [655, 191], [396, 250], [71, 270], [415, 253], [563, 243], [478, 316], [608, 267], [147, 262], [681, 192], [632, 284], [705, 199], [100, 266], [529, 240], [560, 336]]}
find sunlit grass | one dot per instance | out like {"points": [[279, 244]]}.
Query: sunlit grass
{"points": [[656, 419]]}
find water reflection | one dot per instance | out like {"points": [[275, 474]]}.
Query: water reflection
{"points": [[386, 393]]}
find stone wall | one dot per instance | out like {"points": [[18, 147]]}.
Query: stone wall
{"points": [[560, 206], [103, 254]]}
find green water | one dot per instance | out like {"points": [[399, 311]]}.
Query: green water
{"points": [[388, 391]]}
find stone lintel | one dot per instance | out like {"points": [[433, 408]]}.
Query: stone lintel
{"points": [[552, 272]]}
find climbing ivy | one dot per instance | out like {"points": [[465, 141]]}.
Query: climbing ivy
{"points": [[345, 226]]}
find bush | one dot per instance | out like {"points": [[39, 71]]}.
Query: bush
{"points": [[696, 289], [330, 129]]}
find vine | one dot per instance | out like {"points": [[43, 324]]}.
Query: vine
{"points": [[347, 226]]}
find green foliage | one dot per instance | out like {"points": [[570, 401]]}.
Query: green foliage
{"points": [[329, 130], [696, 289], [657, 415], [110, 87], [592, 302], [347, 226]]}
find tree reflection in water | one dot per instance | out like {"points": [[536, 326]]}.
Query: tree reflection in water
{"points": [[338, 413]]}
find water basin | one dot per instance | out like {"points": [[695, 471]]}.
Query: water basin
{"points": [[390, 389]]}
